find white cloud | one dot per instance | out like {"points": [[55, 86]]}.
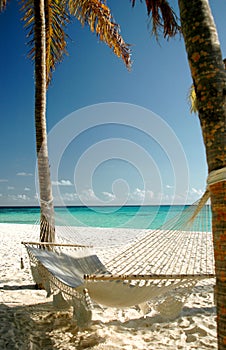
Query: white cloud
{"points": [[142, 194], [70, 197], [109, 195], [138, 193], [193, 194], [62, 183], [88, 195], [177, 198], [4, 180], [24, 174], [19, 197], [24, 197], [169, 186], [10, 188], [27, 189]]}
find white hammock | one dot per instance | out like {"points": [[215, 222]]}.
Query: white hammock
{"points": [[155, 266]]}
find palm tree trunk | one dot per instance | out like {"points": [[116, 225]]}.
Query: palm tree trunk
{"points": [[47, 225], [209, 78]]}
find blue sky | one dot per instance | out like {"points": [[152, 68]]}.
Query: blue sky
{"points": [[115, 137]]}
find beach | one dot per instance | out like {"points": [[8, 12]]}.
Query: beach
{"points": [[28, 319]]}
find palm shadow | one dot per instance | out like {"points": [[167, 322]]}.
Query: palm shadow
{"points": [[42, 326], [27, 327], [18, 287]]}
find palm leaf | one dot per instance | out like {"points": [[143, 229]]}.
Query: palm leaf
{"points": [[97, 15], [56, 18], [163, 18], [92, 12]]}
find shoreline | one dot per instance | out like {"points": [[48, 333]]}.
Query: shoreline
{"points": [[28, 319], [142, 217]]}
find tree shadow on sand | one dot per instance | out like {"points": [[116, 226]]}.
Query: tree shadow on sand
{"points": [[18, 287], [41, 326], [20, 331]]}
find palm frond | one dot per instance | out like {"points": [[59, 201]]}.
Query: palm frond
{"points": [[3, 5], [97, 15], [163, 17], [56, 19]]}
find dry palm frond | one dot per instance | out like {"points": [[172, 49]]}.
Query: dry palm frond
{"points": [[192, 100], [92, 12], [98, 16], [163, 17], [56, 19]]}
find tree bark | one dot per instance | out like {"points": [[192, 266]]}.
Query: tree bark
{"points": [[47, 224], [209, 79]]}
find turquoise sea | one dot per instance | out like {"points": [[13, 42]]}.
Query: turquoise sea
{"points": [[141, 217]]}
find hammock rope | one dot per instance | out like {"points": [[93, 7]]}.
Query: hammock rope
{"points": [[216, 176], [163, 250], [154, 266]]}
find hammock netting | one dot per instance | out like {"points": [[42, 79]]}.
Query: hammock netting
{"points": [[159, 266]]}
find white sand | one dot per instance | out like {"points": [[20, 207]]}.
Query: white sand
{"points": [[29, 321]]}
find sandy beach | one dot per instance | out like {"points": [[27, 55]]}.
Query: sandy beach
{"points": [[28, 319]]}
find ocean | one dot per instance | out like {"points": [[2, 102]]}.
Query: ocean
{"points": [[137, 217]]}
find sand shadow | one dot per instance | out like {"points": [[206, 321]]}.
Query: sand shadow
{"points": [[19, 330], [18, 287], [196, 311], [42, 326]]}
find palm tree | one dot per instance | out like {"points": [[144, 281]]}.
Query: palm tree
{"points": [[46, 20], [209, 81], [47, 225]]}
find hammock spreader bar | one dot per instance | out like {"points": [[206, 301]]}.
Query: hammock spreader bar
{"points": [[147, 277]]}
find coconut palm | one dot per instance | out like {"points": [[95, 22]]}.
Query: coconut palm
{"points": [[46, 21], [209, 81]]}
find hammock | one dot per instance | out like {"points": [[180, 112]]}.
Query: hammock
{"points": [[159, 266]]}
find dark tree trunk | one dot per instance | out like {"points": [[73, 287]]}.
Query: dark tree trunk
{"points": [[209, 78]]}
